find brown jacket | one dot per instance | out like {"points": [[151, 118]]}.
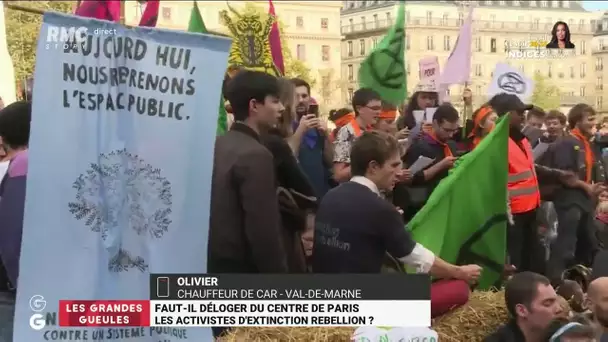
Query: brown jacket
{"points": [[244, 227]]}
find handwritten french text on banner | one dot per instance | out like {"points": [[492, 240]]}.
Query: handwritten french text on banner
{"points": [[121, 153]]}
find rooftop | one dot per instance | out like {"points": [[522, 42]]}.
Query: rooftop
{"points": [[354, 6]]}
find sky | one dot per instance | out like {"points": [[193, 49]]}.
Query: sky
{"points": [[595, 5]]}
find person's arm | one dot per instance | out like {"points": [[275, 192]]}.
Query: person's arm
{"points": [[255, 175], [328, 150], [341, 160], [401, 245], [423, 176]]}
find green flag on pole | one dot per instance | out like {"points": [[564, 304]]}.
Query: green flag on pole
{"points": [[384, 69], [197, 25], [465, 219]]}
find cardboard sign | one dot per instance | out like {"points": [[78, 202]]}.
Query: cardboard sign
{"points": [[429, 70]]}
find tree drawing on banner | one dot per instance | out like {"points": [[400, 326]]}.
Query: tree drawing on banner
{"points": [[545, 95], [122, 191], [293, 66], [22, 30]]}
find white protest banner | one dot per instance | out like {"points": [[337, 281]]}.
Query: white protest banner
{"points": [[511, 81], [119, 180], [429, 70]]}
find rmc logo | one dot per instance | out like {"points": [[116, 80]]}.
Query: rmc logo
{"points": [[59, 36]]}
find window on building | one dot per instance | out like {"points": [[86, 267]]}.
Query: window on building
{"points": [[544, 4], [549, 71], [583, 45], [407, 41], [460, 19], [493, 17], [599, 64], [444, 19], [599, 84], [429, 18], [555, 4], [301, 52], [493, 45], [446, 43], [351, 22], [351, 73], [478, 44], [349, 48], [429, 43], [166, 13], [502, 2], [324, 23], [363, 23], [572, 73], [388, 18], [489, 2], [599, 103], [570, 22], [326, 52], [515, 2], [478, 90], [362, 47], [299, 22], [376, 21], [565, 4], [532, 3], [583, 70], [374, 42], [536, 23], [581, 23], [478, 70], [351, 91], [582, 91]]}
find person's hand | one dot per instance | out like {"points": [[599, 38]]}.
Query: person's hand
{"points": [[399, 210], [405, 176], [508, 271], [447, 162], [307, 122], [469, 273], [594, 190], [403, 134]]}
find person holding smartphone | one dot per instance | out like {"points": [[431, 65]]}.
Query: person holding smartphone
{"points": [[310, 140]]}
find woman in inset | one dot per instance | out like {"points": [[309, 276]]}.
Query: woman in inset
{"points": [[560, 37]]}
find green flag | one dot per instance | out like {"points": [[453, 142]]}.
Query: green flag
{"points": [[384, 69], [465, 219], [197, 25]]}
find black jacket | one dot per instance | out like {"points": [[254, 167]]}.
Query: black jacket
{"points": [[509, 332]]}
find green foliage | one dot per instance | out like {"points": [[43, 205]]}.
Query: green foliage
{"points": [[545, 95], [22, 30], [293, 66]]}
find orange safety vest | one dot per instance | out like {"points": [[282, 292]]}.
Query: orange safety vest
{"points": [[523, 184]]}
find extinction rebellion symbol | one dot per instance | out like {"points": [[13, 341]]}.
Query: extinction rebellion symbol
{"points": [[512, 82]]}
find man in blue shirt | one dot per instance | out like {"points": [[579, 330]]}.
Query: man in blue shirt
{"points": [[315, 152]]}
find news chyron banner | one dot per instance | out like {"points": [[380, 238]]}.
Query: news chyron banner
{"points": [[257, 300]]}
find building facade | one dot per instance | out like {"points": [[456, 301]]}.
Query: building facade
{"points": [[432, 29], [599, 49], [311, 31]]}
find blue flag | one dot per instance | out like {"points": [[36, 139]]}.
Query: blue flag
{"points": [[120, 163]]}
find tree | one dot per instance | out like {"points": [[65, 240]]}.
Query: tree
{"points": [[330, 88], [293, 66], [545, 95], [22, 29]]}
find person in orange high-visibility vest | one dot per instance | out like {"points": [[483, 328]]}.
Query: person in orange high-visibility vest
{"points": [[524, 246]]}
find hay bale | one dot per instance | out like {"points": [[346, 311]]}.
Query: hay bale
{"points": [[485, 312], [276, 334], [481, 316]]}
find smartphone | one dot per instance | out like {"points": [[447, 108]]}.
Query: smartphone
{"points": [[313, 109]]}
